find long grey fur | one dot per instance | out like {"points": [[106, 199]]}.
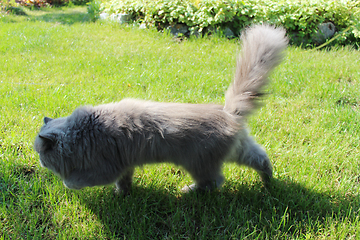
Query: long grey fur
{"points": [[103, 144]]}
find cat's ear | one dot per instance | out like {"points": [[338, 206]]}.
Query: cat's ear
{"points": [[49, 139], [47, 119]]}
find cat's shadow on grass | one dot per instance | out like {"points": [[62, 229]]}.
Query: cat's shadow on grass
{"points": [[286, 205], [236, 210]]}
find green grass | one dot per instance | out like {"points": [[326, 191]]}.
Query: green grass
{"points": [[52, 61]]}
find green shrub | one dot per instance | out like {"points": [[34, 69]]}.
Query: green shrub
{"points": [[93, 9], [300, 18]]}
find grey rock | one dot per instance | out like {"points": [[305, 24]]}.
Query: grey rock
{"points": [[325, 31], [103, 16], [120, 17], [178, 29], [113, 17], [228, 33], [123, 18], [142, 26]]}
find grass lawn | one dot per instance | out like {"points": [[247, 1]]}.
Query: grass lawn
{"points": [[52, 61]]}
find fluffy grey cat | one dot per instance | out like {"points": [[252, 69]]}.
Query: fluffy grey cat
{"points": [[103, 144]]}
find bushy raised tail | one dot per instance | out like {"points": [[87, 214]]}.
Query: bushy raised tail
{"points": [[262, 50]]}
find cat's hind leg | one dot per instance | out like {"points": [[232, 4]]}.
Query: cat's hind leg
{"points": [[207, 178], [251, 154], [123, 185]]}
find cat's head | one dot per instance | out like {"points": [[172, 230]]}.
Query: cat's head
{"points": [[49, 143], [65, 146]]}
